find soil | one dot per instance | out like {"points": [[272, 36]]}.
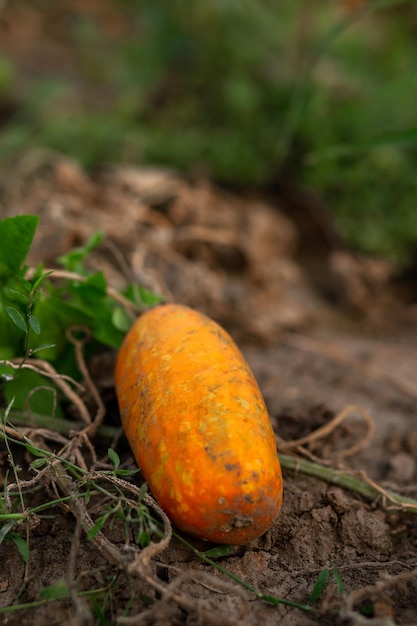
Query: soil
{"points": [[315, 347]]}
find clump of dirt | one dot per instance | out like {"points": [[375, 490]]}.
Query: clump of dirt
{"points": [[237, 259]]}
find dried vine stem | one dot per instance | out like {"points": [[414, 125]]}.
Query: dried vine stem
{"points": [[79, 344], [364, 486], [41, 367]]}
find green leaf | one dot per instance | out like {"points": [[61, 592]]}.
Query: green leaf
{"points": [[143, 538], [14, 294], [55, 592], [141, 296], [114, 457], [73, 261], [143, 488], [21, 545], [97, 527], [339, 582], [90, 297], [5, 530], [55, 314], [218, 552], [95, 282], [148, 297], [100, 615], [319, 586], [126, 472], [16, 236], [121, 320], [39, 279], [38, 463], [17, 318], [44, 346], [35, 324]]}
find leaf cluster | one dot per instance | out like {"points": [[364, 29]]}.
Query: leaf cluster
{"points": [[36, 312]]}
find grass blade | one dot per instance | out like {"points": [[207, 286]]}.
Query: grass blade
{"points": [[319, 586]]}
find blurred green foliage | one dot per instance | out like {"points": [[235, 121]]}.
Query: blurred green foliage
{"points": [[244, 90]]}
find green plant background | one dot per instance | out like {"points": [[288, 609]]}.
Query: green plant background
{"points": [[243, 90]]}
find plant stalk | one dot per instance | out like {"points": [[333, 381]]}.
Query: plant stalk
{"points": [[348, 481]]}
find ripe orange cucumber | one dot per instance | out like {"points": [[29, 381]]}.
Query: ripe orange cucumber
{"points": [[198, 425]]}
